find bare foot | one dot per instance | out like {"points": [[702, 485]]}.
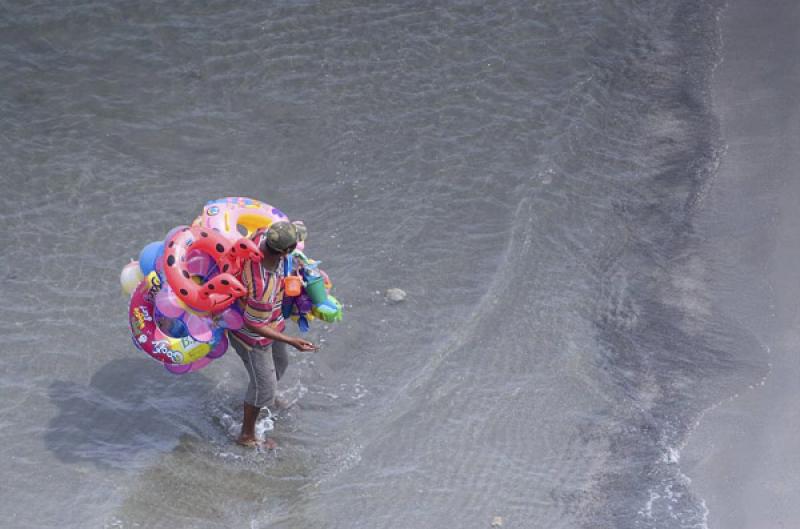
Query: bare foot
{"points": [[254, 442], [247, 440]]}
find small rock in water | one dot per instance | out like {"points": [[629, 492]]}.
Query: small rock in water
{"points": [[497, 521], [395, 295]]}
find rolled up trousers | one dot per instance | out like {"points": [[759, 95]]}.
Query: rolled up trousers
{"points": [[265, 365]]}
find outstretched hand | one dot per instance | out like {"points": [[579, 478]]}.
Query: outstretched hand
{"points": [[302, 345]]}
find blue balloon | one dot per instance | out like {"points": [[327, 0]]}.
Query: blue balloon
{"points": [[149, 255]]}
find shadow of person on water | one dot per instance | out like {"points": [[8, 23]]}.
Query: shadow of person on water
{"points": [[130, 408]]}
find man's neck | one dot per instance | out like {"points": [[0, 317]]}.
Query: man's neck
{"points": [[270, 262]]}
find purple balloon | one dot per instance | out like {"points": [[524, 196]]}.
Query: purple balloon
{"points": [[220, 348], [231, 319]]}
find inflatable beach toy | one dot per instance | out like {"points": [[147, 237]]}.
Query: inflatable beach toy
{"points": [[180, 310], [217, 292], [158, 336], [184, 289], [235, 217]]}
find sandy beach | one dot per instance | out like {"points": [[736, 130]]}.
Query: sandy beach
{"points": [[743, 457]]}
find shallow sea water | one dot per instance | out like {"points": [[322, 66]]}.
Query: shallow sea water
{"points": [[529, 172]]}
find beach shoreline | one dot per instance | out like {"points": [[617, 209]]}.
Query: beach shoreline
{"points": [[742, 458]]}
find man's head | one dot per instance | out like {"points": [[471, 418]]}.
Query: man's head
{"points": [[281, 238]]}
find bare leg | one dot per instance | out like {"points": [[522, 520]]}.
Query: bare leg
{"points": [[248, 435]]}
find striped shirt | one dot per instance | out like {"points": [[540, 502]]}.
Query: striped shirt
{"points": [[262, 304]]}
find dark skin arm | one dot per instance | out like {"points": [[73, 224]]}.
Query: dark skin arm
{"points": [[268, 332]]}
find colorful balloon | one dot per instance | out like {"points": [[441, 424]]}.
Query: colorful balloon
{"points": [[231, 319], [199, 327], [149, 255], [220, 348], [130, 277]]}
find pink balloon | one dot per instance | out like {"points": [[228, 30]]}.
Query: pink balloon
{"points": [[178, 369], [232, 319], [167, 303], [200, 363], [199, 327]]}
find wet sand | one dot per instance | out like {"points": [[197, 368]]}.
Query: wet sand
{"points": [[743, 458]]}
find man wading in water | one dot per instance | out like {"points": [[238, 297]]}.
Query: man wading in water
{"points": [[260, 342]]}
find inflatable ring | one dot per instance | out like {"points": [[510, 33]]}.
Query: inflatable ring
{"points": [[235, 217], [219, 292], [149, 337]]}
